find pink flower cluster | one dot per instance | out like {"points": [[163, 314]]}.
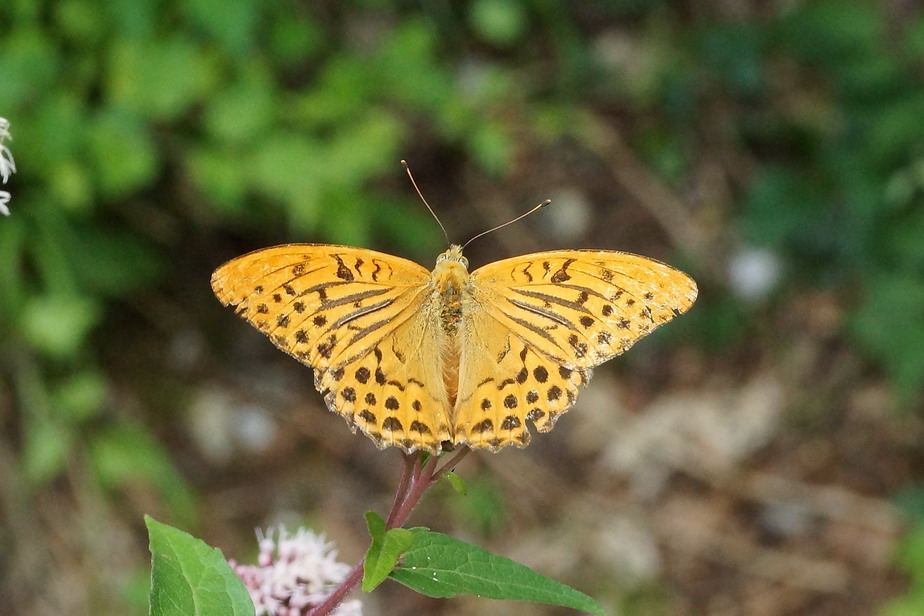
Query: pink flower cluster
{"points": [[294, 574]]}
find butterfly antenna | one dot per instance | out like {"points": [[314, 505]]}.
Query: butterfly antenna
{"points": [[407, 168], [509, 222]]}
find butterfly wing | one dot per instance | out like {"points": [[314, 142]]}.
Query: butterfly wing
{"points": [[358, 318], [537, 325]]}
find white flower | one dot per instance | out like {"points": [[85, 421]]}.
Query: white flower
{"points": [[753, 273], [7, 165], [295, 573]]}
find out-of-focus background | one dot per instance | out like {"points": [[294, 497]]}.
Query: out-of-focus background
{"points": [[761, 455]]}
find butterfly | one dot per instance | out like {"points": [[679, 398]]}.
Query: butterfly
{"points": [[432, 360]]}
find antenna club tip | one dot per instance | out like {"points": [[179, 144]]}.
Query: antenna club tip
{"points": [[404, 164], [545, 203]]}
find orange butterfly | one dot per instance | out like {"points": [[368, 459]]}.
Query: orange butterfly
{"points": [[430, 360]]}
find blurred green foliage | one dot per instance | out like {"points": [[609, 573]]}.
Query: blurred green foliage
{"points": [[911, 561], [845, 201], [131, 120], [910, 556]]}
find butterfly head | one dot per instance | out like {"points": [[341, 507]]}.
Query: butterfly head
{"points": [[453, 255], [451, 269]]}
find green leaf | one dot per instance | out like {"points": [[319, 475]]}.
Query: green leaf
{"points": [[81, 395], [440, 566], [911, 552], [500, 22], [911, 560], [13, 248], [58, 325], [80, 23], [122, 152], [189, 577], [112, 263], [295, 38], [458, 484], [58, 133], [734, 52], [220, 175], [234, 24], [341, 87], [243, 111], [492, 146], [47, 449], [406, 69], [71, 185], [288, 167], [387, 546], [160, 78], [895, 299], [29, 68]]}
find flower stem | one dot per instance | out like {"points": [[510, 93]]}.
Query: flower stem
{"points": [[410, 460], [423, 479], [345, 588], [414, 481]]}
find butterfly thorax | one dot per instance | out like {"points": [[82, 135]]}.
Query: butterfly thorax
{"points": [[449, 278]]}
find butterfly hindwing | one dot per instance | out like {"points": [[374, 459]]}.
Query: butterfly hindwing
{"points": [[504, 384], [394, 393]]}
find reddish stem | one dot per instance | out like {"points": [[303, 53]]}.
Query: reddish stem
{"points": [[423, 479], [414, 481], [345, 588], [410, 461]]}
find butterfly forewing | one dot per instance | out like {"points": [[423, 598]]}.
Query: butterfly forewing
{"points": [[580, 308], [347, 313]]}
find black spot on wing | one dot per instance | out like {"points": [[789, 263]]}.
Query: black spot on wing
{"points": [[419, 427], [562, 274], [510, 422], [483, 426], [343, 272]]}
